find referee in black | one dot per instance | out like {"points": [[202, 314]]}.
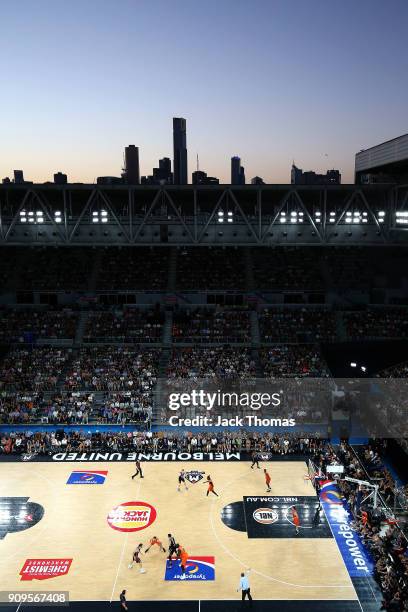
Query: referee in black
{"points": [[138, 470], [255, 460], [123, 602]]}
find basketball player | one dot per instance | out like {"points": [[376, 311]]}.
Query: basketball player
{"points": [[255, 460], [172, 548], [295, 519], [210, 486], [268, 481], [155, 541], [182, 480], [138, 470], [136, 559], [183, 558]]}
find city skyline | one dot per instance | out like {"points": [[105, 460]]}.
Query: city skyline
{"points": [[268, 82]]}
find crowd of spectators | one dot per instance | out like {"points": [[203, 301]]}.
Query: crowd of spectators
{"points": [[351, 267], [39, 324], [162, 441], [377, 323], [208, 325], [218, 363], [32, 369], [286, 268], [113, 368], [130, 325], [384, 541], [210, 268], [19, 407], [140, 268], [55, 268], [297, 325], [293, 360]]}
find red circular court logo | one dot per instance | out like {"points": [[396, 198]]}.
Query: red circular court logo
{"points": [[132, 516]]}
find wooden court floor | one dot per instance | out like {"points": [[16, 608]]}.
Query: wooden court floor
{"points": [[75, 526]]}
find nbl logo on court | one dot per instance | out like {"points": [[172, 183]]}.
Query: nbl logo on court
{"points": [[194, 476], [265, 516]]}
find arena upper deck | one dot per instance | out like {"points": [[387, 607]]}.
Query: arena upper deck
{"points": [[190, 215]]}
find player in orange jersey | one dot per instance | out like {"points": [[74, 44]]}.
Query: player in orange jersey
{"points": [[267, 480], [183, 558], [155, 541], [210, 486], [295, 519]]}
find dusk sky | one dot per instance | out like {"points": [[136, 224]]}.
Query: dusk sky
{"points": [[270, 81]]}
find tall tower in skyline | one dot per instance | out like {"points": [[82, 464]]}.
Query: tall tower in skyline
{"points": [[180, 151], [237, 171], [132, 172]]}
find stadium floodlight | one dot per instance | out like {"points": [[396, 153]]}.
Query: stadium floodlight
{"points": [[57, 216], [363, 369], [95, 213], [348, 220], [293, 213], [353, 364], [402, 217], [104, 213], [381, 213]]}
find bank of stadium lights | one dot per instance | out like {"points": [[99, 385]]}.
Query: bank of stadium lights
{"points": [[221, 216], [57, 216], [31, 216], [99, 216], [402, 217]]}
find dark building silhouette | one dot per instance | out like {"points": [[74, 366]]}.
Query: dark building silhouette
{"points": [[298, 177], [6, 180], [109, 180], [161, 175], [60, 178], [257, 180], [19, 177], [237, 171], [131, 173], [180, 151], [200, 178]]}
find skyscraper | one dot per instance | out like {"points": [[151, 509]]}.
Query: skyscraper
{"points": [[235, 167], [132, 173], [180, 151], [237, 171]]}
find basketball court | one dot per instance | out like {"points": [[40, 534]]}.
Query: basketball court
{"points": [[85, 527]]}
